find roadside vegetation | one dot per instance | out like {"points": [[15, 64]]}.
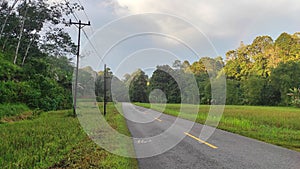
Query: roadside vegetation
{"points": [[36, 71], [275, 125], [7, 110], [34, 66], [56, 140]]}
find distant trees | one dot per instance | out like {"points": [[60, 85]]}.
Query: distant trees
{"points": [[205, 71], [254, 87], [265, 70], [132, 88], [284, 77], [99, 85], [138, 87], [162, 79], [261, 73]]}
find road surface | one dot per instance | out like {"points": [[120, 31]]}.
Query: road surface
{"points": [[221, 150]]}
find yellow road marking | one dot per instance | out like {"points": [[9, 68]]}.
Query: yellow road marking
{"points": [[158, 119], [201, 141]]}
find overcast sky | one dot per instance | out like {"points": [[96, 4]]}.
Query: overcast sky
{"points": [[185, 30]]}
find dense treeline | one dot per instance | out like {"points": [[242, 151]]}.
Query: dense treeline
{"points": [[34, 68], [266, 72]]}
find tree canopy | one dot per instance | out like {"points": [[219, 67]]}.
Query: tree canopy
{"points": [[34, 51], [261, 73]]}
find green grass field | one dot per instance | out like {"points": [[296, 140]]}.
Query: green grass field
{"points": [[56, 140], [275, 125]]}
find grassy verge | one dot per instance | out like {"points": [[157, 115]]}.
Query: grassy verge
{"points": [[7, 110], [275, 125], [56, 140]]}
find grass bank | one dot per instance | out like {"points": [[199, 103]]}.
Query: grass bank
{"points": [[275, 125], [7, 110], [56, 140]]}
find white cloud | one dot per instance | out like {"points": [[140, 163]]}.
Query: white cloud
{"points": [[219, 17], [225, 22]]}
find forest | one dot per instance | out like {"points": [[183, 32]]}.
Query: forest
{"points": [[36, 66], [265, 72]]}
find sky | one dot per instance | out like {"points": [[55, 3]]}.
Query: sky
{"points": [[131, 34]]}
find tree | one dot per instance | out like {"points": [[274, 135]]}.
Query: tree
{"points": [[37, 24], [163, 79], [285, 77], [261, 52], [203, 83], [253, 88], [23, 19], [238, 64], [283, 46], [6, 10], [138, 87], [119, 91], [44, 80], [234, 92], [99, 85], [295, 95], [198, 67]]}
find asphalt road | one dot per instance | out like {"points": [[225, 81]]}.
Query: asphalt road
{"points": [[154, 132]]}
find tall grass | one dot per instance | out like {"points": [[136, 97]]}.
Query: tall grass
{"points": [[275, 125], [88, 155], [7, 110], [55, 140]]}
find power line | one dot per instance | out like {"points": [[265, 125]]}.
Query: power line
{"points": [[86, 15], [92, 45], [80, 26], [83, 10], [73, 13], [85, 34]]}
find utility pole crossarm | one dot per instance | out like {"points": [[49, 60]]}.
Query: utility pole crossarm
{"points": [[80, 23]]}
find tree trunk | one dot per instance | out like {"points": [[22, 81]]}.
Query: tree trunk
{"points": [[27, 50], [4, 44], [21, 34], [7, 16]]}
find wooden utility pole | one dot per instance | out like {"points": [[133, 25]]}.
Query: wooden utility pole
{"points": [[104, 94], [80, 26]]}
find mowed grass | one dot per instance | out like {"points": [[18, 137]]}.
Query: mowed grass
{"points": [[56, 140], [275, 125]]}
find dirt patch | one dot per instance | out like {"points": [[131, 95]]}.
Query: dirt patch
{"points": [[16, 118]]}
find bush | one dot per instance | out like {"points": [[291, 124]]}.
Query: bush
{"points": [[46, 94], [8, 70], [295, 96]]}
